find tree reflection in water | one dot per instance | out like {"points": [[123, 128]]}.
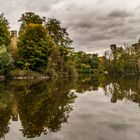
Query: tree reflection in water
{"points": [[125, 88], [43, 106], [5, 110]]}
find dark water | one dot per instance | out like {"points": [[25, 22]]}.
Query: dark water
{"points": [[87, 108]]}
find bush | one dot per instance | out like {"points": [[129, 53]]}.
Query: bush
{"points": [[6, 62], [85, 68]]}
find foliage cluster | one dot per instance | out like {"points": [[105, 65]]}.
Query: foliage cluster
{"points": [[123, 60]]}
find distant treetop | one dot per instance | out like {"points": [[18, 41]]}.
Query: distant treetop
{"points": [[30, 17]]}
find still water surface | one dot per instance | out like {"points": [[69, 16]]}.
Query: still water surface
{"points": [[86, 108]]}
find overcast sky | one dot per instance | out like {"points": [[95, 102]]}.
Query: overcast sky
{"points": [[92, 24]]}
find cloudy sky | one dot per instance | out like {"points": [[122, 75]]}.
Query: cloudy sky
{"points": [[92, 24]]}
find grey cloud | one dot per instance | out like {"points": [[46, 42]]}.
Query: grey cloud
{"points": [[102, 28], [92, 24], [69, 7], [119, 14], [95, 29], [99, 37], [100, 1], [40, 6]]}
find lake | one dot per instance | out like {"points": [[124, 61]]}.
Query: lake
{"points": [[86, 108]]}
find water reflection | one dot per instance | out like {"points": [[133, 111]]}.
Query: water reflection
{"points": [[5, 110], [125, 88], [43, 106]]}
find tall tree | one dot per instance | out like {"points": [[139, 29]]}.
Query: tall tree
{"points": [[61, 39], [30, 17], [4, 31], [58, 33], [34, 46]]}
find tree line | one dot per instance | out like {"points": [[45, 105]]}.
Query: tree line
{"points": [[123, 60], [44, 47]]}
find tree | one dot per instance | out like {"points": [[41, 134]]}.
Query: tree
{"points": [[4, 31], [61, 55], [30, 17], [86, 62], [33, 47], [136, 48], [6, 61], [59, 34]]}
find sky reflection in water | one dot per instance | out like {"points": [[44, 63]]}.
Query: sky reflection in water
{"points": [[86, 108]]}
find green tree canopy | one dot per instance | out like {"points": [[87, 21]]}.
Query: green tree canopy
{"points": [[58, 33], [30, 17], [33, 46], [4, 31], [6, 61]]}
